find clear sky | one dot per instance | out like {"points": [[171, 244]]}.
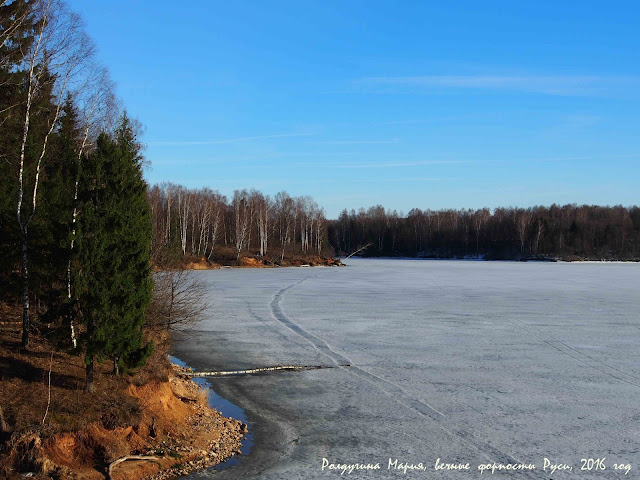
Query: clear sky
{"points": [[429, 104]]}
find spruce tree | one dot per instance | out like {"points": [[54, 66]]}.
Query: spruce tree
{"points": [[59, 175], [113, 280], [133, 229]]}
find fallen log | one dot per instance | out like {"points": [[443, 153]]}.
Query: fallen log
{"points": [[131, 457], [259, 370], [359, 250]]}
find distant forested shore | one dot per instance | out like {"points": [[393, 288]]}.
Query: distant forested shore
{"points": [[203, 223], [568, 232]]}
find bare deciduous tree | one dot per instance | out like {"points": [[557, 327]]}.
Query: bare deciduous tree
{"points": [[184, 203], [263, 211], [480, 217], [523, 219], [179, 299], [242, 217]]}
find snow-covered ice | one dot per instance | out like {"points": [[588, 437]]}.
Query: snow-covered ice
{"points": [[468, 362]]}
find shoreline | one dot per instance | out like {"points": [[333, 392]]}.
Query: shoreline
{"points": [[274, 436], [202, 263], [157, 424], [225, 408], [530, 260], [210, 439]]}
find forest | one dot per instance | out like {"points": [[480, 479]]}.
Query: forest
{"points": [[568, 232], [84, 321], [95, 262], [75, 224], [204, 223]]}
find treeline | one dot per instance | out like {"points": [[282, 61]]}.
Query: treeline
{"points": [[564, 232], [204, 223], [75, 224]]}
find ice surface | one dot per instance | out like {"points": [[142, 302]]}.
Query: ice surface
{"points": [[476, 362]]}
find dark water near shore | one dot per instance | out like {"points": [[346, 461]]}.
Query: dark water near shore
{"points": [[227, 409]]}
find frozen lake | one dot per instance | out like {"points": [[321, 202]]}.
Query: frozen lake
{"points": [[468, 362]]}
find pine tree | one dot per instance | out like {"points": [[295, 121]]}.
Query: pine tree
{"points": [[113, 281]]}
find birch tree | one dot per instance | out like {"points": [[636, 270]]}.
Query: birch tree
{"points": [[217, 204], [319, 223], [59, 49], [523, 219], [184, 204], [539, 231], [263, 212], [242, 219], [284, 207], [480, 217]]}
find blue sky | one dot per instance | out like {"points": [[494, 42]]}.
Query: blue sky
{"points": [[405, 104]]}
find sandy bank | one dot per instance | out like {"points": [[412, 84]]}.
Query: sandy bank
{"points": [[175, 433]]}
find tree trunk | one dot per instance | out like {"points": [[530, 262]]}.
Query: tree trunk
{"points": [[89, 376], [71, 245], [169, 215], [25, 291]]}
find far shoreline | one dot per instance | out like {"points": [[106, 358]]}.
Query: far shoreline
{"points": [[529, 260]]}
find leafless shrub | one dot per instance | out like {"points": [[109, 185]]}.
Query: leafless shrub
{"points": [[179, 299]]}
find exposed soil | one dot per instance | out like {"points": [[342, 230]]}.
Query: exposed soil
{"points": [[225, 257], [156, 413], [202, 263]]}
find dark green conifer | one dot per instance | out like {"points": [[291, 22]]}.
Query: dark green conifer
{"points": [[114, 274], [57, 191]]}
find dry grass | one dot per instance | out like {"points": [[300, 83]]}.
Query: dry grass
{"points": [[24, 397], [24, 389], [83, 433], [157, 366]]}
